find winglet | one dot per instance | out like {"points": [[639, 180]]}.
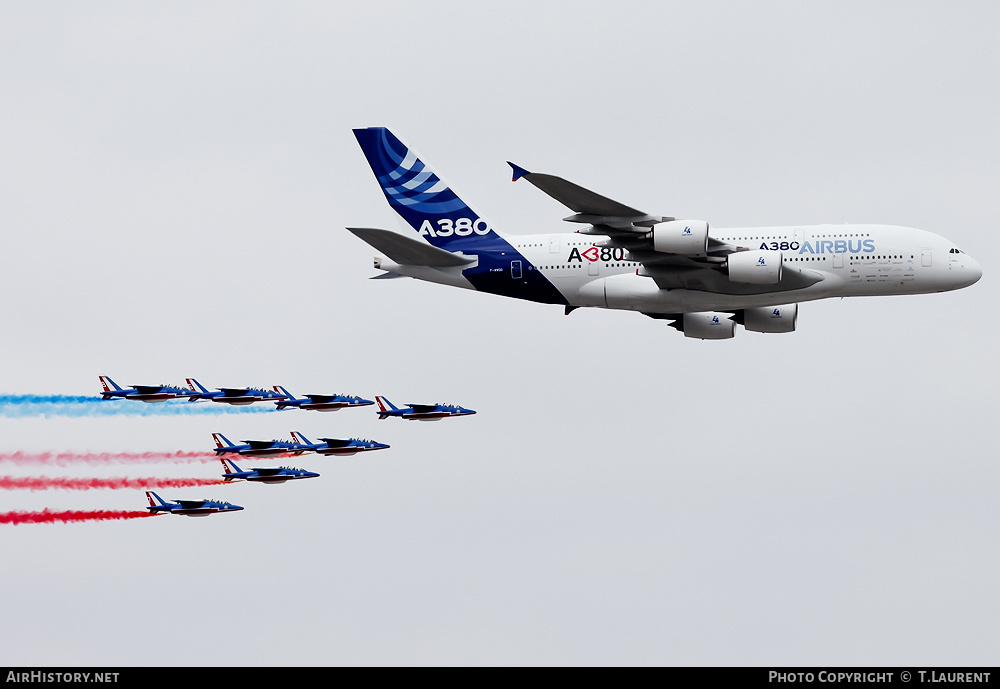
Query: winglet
{"points": [[519, 171]]}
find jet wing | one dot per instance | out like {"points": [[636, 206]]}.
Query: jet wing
{"points": [[336, 442], [259, 444], [409, 251], [590, 207], [709, 279], [322, 399], [628, 228], [234, 392], [148, 389], [270, 471], [423, 408], [191, 504]]}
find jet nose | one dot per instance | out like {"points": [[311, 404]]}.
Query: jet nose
{"points": [[973, 270]]}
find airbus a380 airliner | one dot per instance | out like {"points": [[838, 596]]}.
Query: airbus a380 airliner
{"points": [[703, 280]]}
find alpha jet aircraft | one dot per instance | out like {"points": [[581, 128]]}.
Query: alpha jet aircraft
{"points": [[420, 412], [142, 393], [257, 448], [704, 280], [335, 446], [263, 475], [238, 396], [319, 402], [188, 508]]}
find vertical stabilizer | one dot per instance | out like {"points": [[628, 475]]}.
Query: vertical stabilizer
{"points": [[420, 196]]}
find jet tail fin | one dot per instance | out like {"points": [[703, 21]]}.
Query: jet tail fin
{"points": [[221, 441], [230, 467], [419, 196], [300, 439], [385, 405], [195, 386], [150, 495], [109, 385]]}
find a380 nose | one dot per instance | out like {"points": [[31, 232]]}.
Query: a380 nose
{"points": [[971, 271]]}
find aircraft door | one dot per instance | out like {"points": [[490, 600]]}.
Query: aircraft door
{"points": [[800, 239], [838, 260], [515, 270], [925, 258], [554, 243], [594, 268]]}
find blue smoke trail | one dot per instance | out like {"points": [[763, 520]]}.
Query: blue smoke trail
{"points": [[17, 406]]}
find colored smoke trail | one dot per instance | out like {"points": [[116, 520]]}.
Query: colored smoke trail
{"points": [[71, 483], [64, 458], [47, 516], [17, 406]]}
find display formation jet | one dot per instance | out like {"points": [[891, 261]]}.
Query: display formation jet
{"points": [[188, 508], [263, 475], [335, 446], [319, 402], [257, 448], [237, 396], [142, 393], [704, 281], [420, 412]]}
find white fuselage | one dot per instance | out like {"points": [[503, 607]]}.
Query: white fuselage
{"points": [[853, 260]]}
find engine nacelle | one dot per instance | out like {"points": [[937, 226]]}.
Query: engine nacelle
{"points": [[687, 237], [708, 325], [755, 267], [771, 319]]}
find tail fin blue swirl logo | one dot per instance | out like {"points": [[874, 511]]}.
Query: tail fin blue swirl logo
{"points": [[420, 197]]}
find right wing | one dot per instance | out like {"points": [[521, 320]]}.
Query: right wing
{"points": [[336, 442], [321, 399], [703, 268], [259, 444], [268, 471]]}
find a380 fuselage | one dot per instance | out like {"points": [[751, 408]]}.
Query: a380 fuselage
{"points": [[572, 269]]}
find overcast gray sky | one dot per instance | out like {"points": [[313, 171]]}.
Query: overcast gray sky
{"points": [[175, 181]]}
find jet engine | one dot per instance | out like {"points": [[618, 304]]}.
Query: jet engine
{"points": [[708, 325], [770, 319], [686, 237], [755, 267]]}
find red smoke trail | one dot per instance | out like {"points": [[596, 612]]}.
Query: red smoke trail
{"points": [[69, 483], [64, 458], [48, 517]]}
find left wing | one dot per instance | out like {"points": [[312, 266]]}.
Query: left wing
{"points": [[234, 392], [675, 254]]}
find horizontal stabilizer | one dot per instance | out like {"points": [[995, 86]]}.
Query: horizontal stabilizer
{"points": [[409, 251]]}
